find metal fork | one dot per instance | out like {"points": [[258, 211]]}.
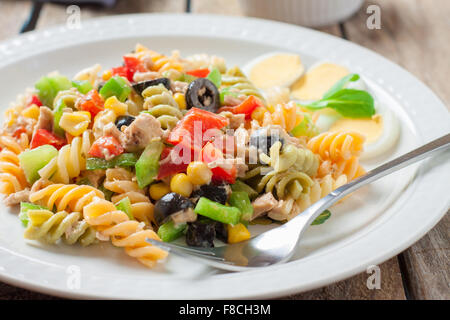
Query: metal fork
{"points": [[278, 245]]}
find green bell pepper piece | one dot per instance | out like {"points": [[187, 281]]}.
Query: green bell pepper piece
{"points": [[24, 207], [125, 206], [148, 164], [33, 160], [241, 186], [124, 160], [215, 77], [48, 88], [83, 86], [169, 231], [305, 128], [217, 211], [240, 200], [116, 86], [57, 114]]}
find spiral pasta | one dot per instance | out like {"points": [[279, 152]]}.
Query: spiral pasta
{"points": [[160, 104], [199, 61], [101, 120], [69, 97], [12, 177], [123, 232], [120, 181], [337, 146], [289, 156], [159, 62], [51, 227], [68, 197], [237, 81], [289, 183], [70, 161], [319, 189]]}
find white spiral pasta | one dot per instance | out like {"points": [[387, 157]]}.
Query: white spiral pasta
{"points": [[69, 162]]}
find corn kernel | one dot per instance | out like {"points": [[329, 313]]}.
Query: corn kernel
{"points": [[199, 173], [237, 233], [75, 123], [158, 190], [31, 112], [107, 75], [181, 184], [180, 100], [119, 108]]}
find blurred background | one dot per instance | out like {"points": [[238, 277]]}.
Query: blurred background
{"points": [[412, 33]]}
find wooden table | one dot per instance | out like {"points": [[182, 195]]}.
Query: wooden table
{"points": [[414, 34]]}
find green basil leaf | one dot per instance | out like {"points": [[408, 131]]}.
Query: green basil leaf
{"points": [[350, 103], [341, 84], [322, 218]]}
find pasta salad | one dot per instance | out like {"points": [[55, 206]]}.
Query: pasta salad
{"points": [[167, 147]]}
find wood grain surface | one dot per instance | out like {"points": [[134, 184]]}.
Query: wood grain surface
{"points": [[414, 34]]}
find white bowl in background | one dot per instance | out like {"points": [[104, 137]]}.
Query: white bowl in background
{"points": [[311, 13]]}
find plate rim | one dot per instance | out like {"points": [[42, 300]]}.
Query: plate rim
{"points": [[15, 42]]}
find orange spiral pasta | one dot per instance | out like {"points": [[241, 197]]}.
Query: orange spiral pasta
{"points": [[12, 177], [68, 197], [350, 167], [123, 232], [337, 146], [120, 181]]}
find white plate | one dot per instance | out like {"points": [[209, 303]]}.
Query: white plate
{"points": [[370, 227]]}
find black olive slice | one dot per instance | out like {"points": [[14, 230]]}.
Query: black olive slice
{"points": [[218, 193], [200, 234], [124, 121], [221, 231], [263, 139], [203, 94], [139, 87], [170, 204]]}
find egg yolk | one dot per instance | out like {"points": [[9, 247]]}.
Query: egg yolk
{"points": [[276, 70], [371, 128], [317, 81]]}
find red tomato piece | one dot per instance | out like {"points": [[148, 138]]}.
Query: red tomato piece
{"points": [[222, 172], [35, 100], [132, 65], [19, 131], [42, 137], [107, 145], [93, 103], [170, 164], [120, 71], [246, 107], [199, 73], [196, 118]]}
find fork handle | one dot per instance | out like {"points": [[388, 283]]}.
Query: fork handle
{"points": [[375, 174]]}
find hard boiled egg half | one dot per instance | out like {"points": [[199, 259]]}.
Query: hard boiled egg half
{"points": [[275, 69], [381, 131]]}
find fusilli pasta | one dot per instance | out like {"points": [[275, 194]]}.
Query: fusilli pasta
{"points": [[120, 181], [50, 227], [160, 104], [70, 161], [123, 232], [68, 197]]}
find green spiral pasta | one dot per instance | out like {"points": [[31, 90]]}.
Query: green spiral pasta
{"points": [[160, 104], [50, 227], [290, 183], [282, 158], [235, 80]]}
